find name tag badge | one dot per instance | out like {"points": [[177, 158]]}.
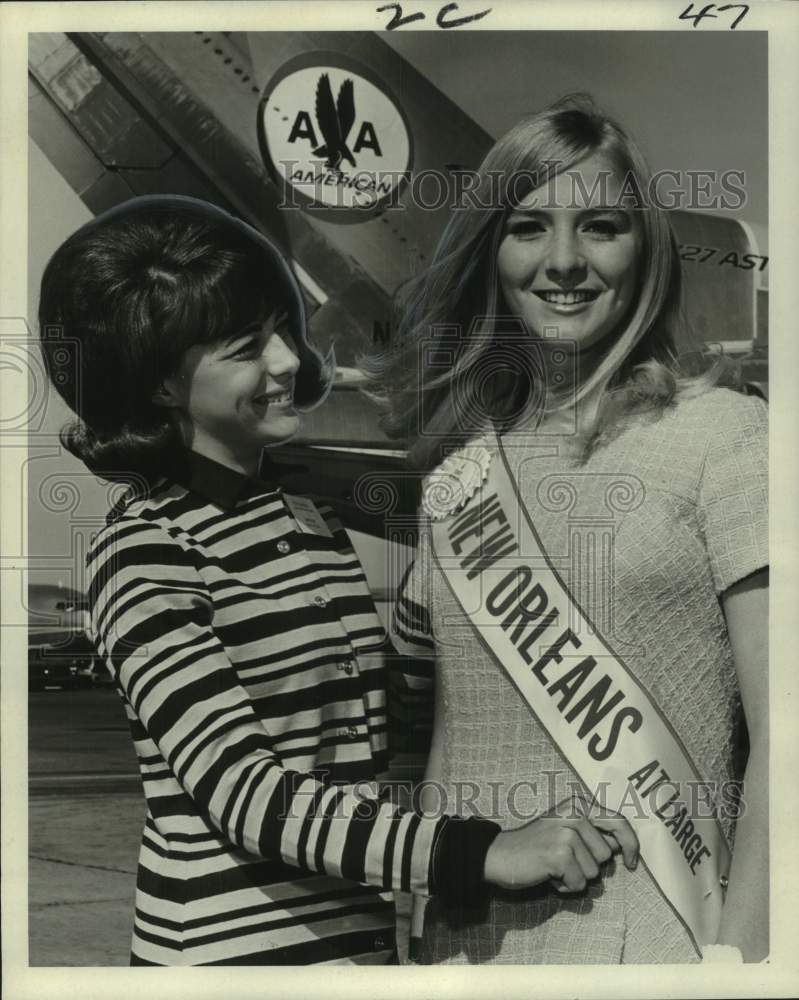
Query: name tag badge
{"points": [[308, 518]]}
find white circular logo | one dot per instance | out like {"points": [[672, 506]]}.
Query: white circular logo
{"points": [[333, 137]]}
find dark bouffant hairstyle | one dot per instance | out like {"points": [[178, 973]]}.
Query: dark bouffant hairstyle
{"points": [[130, 292]]}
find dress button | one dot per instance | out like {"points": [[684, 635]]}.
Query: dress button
{"points": [[319, 601], [283, 546], [380, 942], [347, 666], [352, 732]]}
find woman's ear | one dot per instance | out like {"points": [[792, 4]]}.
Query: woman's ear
{"points": [[167, 393]]}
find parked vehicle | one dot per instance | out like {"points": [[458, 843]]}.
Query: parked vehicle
{"points": [[61, 659], [60, 652]]}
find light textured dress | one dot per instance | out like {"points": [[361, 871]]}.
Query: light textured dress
{"points": [[647, 534]]}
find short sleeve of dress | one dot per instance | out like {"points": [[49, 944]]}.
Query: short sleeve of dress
{"points": [[733, 491]]}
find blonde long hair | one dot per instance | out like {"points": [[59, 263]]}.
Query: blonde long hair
{"points": [[453, 310]]}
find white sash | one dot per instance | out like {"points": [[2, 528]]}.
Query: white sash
{"points": [[602, 720]]}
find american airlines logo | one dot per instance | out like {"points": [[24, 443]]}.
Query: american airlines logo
{"points": [[333, 137]]}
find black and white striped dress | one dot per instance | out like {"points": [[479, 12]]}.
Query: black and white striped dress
{"points": [[250, 660]]}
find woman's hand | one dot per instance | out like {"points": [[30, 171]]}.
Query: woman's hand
{"points": [[567, 851]]}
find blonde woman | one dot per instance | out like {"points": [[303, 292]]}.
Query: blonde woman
{"points": [[592, 574]]}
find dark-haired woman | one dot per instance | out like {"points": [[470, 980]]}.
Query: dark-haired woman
{"points": [[236, 618], [592, 573]]}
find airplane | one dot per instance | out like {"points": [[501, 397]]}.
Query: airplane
{"points": [[197, 113]]}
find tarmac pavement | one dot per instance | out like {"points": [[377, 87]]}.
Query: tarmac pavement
{"points": [[82, 876]]}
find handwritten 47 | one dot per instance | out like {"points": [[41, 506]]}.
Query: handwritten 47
{"points": [[687, 14]]}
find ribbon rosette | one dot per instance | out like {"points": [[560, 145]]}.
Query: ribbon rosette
{"points": [[450, 485]]}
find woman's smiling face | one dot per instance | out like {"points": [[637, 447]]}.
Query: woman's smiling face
{"points": [[236, 396], [569, 258]]}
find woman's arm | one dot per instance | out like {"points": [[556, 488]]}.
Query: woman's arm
{"points": [[430, 799], [152, 616], [746, 913]]}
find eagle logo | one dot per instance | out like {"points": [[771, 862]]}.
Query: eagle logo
{"points": [[335, 121]]}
